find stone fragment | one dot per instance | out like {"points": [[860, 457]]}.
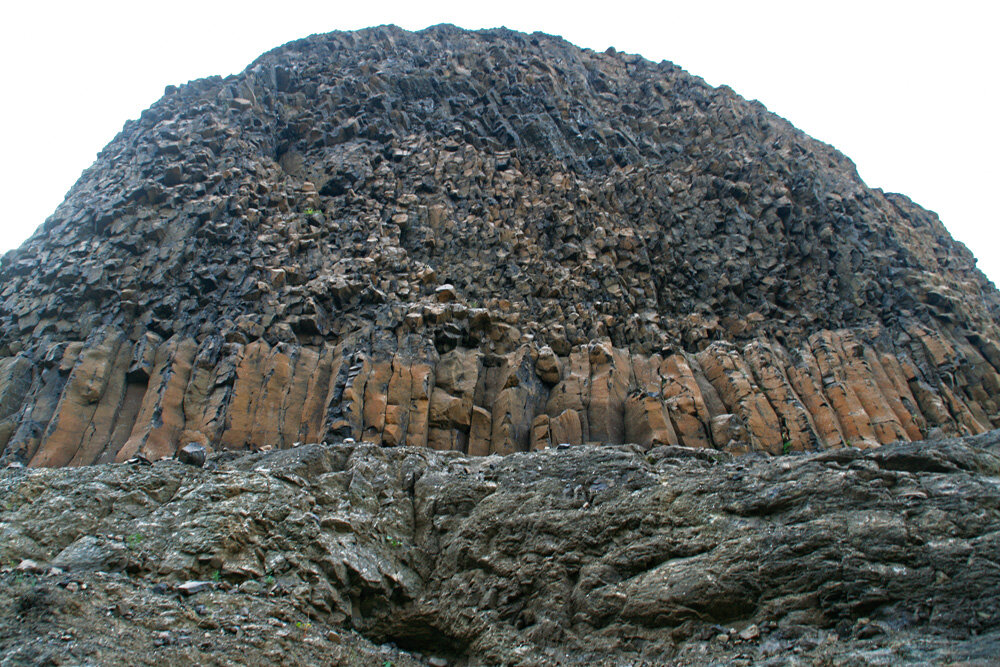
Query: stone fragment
{"points": [[194, 587], [445, 293], [192, 454], [91, 554], [29, 565], [547, 365]]}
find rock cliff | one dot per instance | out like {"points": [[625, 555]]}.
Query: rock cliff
{"points": [[487, 242], [342, 282]]}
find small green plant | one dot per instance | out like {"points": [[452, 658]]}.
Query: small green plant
{"points": [[387, 663], [310, 211], [269, 580], [217, 576], [786, 447], [393, 542], [303, 625], [134, 540]]}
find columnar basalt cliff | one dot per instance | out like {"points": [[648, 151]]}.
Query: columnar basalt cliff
{"points": [[487, 242]]}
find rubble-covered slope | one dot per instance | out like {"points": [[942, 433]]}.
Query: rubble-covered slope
{"points": [[484, 242], [575, 555]]}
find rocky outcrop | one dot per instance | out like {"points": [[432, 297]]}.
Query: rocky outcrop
{"points": [[485, 242], [573, 555], [107, 399]]}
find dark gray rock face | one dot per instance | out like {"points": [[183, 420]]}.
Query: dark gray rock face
{"points": [[600, 192], [590, 555]]}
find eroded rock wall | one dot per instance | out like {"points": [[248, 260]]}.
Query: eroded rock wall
{"points": [[107, 399]]}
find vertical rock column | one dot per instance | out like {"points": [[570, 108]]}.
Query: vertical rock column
{"points": [[72, 432], [730, 376], [569, 400], [647, 421], [161, 419]]}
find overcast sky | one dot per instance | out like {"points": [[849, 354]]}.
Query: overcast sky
{"points": [[908, 90]]}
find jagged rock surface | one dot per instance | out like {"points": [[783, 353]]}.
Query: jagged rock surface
{"points": [[578, 555], [486, 242]]}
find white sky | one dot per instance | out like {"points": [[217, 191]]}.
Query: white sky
{"points": [[908, 90]]}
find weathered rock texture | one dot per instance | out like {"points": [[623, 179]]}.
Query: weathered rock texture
{"points": [[483, 242], [577, 555]]}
